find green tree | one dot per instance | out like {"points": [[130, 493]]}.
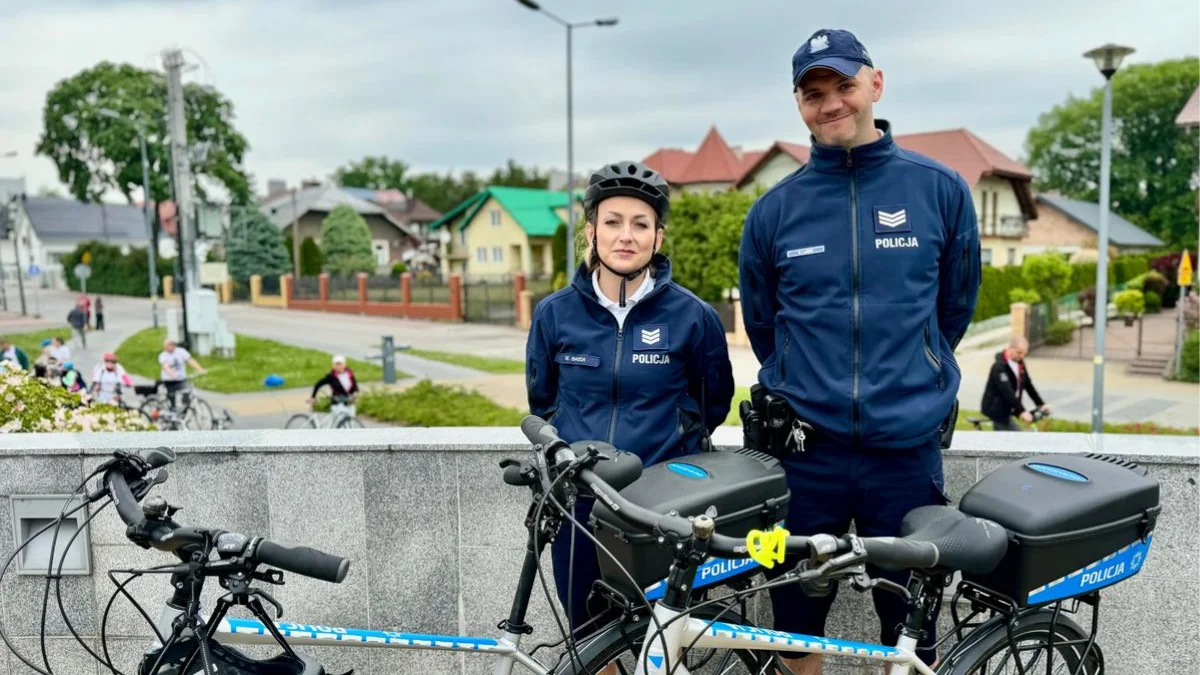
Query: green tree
{"points": [[254, 247], [346, 242], [1050, 274], [558, 250], [311, 259], [515, 175], [1153, 161], [114, 272], [376, 173], [94, 153], [702, 238]]}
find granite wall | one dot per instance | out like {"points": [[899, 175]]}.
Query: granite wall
{"points": [[436, 539]]}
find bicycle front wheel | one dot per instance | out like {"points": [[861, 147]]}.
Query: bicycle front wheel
{"points": [[1039, 645], [349, 423], [617, 646], [199, 415], [301, 421]]}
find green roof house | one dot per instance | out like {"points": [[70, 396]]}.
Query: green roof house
{"points": [[502, 231]]}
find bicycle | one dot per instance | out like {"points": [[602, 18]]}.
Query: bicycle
{"points": [[661, 630], [341, 415], [188, 412], [979, 422]]}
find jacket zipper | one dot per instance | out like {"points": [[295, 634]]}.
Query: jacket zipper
{"points": [[933, 359], [616, 382], [854, 289]]}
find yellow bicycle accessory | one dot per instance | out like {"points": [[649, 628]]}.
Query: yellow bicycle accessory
{"points": [[767, 548]]}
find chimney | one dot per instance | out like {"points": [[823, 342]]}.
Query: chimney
{"points": [[309, 183], [275, 186]]}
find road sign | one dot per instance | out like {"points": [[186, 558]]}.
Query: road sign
{"points": [[83, 271], [1185, 271], [34, 270], [86, 257]]}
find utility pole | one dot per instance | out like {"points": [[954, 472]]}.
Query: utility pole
{"points": [[150, 252], [181, 167], [17, 252]]}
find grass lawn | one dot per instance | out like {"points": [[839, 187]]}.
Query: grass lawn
{"points": [[31, 343], [740, 394], [1056, 425], [426, 404], [483, 363], [256, 358]]}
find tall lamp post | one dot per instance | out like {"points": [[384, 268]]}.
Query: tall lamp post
{"points": [[1108, 59], [141, 132], [570, 26]]}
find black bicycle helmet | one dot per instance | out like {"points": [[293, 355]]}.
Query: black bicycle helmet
{"points": [[627, 179]]}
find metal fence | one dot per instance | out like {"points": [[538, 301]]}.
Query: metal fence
{"points": [[343, 288], [489, 301], [307, 288], [430, 289], [1039, 321], [241, 291], [270, 285], [383, 289]]}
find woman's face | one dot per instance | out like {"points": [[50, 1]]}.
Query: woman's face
{"points": [[625, 233]]}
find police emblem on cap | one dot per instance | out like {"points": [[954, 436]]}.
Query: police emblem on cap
{"points": [[818, 44]]}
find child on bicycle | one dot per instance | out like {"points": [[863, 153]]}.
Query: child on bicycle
{"points": [[340, 380], [108, 378], [670, 383]]}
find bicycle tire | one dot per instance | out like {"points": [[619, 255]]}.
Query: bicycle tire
{"points": [[621, 645], [205, 417], [301, 421], [350, 423], [977, 654], [146, 410]]}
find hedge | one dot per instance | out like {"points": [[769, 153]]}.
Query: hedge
{"points": [[113, 272]]}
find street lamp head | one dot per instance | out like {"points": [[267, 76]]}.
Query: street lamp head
{"points": [[1108, 58], [530, 4], [612, 21]]}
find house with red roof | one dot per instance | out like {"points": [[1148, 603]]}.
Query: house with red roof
{"points": [[1001, 187]]}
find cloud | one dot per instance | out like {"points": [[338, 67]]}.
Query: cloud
{"points": [[467, 84]]}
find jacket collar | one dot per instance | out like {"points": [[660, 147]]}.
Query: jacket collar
{"points": [[662, 276], [832, 159]]}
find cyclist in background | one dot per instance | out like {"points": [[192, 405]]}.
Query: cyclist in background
{"points": [[174, 361], [1007, 381], [340, 380], [624, 354], [108, 378]]}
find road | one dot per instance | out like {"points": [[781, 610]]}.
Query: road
{"points": [[1065, 383]]}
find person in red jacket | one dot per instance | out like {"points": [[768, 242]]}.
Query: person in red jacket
{"points": [[340, 380]]}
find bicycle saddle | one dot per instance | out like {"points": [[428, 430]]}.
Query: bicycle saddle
{"points": [[966, 543]]}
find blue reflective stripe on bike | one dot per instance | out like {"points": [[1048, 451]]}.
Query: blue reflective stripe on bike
{"points": [[293, 630], [1104, 572], [755, 634], [714, 571]]}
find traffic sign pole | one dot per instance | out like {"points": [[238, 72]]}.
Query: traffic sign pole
{"points": [[1184, 280]]}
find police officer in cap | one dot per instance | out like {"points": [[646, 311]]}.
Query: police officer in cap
{"points": [[623, 354], [859, 273]]}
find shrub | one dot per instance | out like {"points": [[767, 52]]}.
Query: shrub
{"points": [[1153, 302], [559, 282], [1130, 303], [1050, 273], [1170, 296], [254, 247], [32, 405], [426, 404], [1155, 282], [311, 259], [346, 242], [113, 272], [1189, 358], [1060, 332], [993, 291], [398, 269], [1024, 295]]}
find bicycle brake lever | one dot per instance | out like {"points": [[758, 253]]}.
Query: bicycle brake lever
{"points": [[258, 592]]}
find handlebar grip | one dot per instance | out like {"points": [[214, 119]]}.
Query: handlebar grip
{"points": [[126, 503], [896, 553], [541, 432], [303, 560]]}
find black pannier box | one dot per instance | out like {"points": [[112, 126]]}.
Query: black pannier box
{"points": [[747, 489], [1076, 523]]}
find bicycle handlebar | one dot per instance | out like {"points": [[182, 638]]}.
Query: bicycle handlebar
{"points": [[165, 535]]}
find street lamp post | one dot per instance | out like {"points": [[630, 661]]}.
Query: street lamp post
{"points": [[1108, 59], [150, 252], [570, 26]]}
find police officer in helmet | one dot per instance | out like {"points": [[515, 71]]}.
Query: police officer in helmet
{"points": [[624, 354]]}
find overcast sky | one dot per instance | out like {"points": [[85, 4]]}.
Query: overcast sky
{"points": [[466, 84]]}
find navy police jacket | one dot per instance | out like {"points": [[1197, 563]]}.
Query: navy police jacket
{"points": [[859, 274], [652, 388]]}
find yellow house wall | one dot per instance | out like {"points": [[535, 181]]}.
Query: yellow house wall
{"points": [[776, 169], [482, 234]]}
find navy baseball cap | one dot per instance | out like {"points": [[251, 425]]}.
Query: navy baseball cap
{"points": [[837, 50]]}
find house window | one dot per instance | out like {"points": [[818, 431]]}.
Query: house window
{"points": [[1012, 256], [495, 216], [481, 254], [497, 254], [985, 256]]}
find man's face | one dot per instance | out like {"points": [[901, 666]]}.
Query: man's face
{"points": [[1018, 353], [168, 346], [838, 110]]}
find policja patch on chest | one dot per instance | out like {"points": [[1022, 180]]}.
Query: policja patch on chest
{"points": [[892, 220], [651, 345]]}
